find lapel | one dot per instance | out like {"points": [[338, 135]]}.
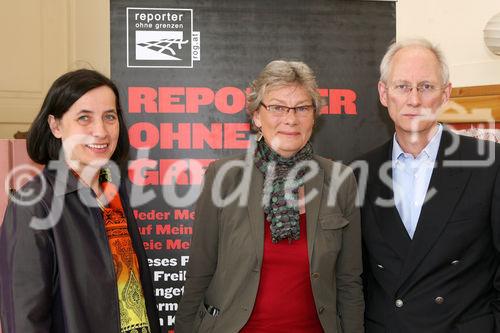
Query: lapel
{"points": [[64, 181], [313, 207], [387, 216], [449, 183], [256, 212]]}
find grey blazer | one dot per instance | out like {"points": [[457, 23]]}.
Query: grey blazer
{"points": [[227, 248]]}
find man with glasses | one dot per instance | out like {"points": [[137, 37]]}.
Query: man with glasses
{"points": [[431, 213]]}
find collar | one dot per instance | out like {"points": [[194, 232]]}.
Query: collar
{"points": [[429, 152], [63, 179]]}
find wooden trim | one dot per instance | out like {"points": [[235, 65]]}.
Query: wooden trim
{"points": [[475, 91], [472, 105]]}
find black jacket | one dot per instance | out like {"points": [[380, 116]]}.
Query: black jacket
{"points": [[447, 278], [60, 277]]}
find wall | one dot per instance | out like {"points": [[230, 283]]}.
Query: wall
{"points": [[457, 27], [40, 41], [46, 38]]}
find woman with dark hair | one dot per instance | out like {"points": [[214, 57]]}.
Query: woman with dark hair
{"points": [[71, 257], [284, 256]]}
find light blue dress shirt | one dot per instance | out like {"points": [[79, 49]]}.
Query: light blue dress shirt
{"points": [[410, 179]]}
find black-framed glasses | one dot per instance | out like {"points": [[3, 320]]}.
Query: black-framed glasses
{"points": [[425, 89], [281, 110]]}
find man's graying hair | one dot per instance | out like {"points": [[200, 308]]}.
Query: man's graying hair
{"points": [[385, 64]]}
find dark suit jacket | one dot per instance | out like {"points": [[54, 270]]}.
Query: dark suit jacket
{"points": [[446, 279], [62, 279], [227, 248]]}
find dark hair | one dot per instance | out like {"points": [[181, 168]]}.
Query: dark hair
{"points": [[65, 91]]}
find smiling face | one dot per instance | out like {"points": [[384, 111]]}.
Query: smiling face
{"points": [[414, 113], [89, 130], [285, 134]]}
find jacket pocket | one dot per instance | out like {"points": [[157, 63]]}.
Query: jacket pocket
{"points": [[331, 228], [373, 327], [333, 221], [483, 324], [461, 220], [204, 322]]}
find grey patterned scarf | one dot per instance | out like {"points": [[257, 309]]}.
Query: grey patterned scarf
{"points": [[282, 209]]}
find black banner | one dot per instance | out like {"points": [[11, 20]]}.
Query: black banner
{"points": [[183, 68]]}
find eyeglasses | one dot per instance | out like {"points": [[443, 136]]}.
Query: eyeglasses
{"points": [[281, 110], [425, 89]]}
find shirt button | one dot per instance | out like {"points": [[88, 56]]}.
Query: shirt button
{"points": [[439, 300], [399, 303], [321, 309], [455, 262], [315, 275], [380, 266]]}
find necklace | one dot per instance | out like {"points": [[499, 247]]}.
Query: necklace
{"points": [[101, 205]]}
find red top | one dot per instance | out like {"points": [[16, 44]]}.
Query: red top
{"points": [[284, 300]]}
